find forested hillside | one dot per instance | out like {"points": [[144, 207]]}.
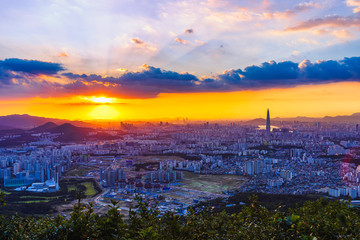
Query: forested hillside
{"points": [[321, 219]]}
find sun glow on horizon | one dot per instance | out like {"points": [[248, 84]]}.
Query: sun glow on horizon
{"points": [[100, 99], [308, 100], [104, 112]]}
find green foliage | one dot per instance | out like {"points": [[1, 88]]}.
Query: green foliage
{"points": [[326, 219], [2, 198], [321, 219]]}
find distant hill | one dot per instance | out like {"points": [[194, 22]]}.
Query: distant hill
{"points": [[30, 122], [12, 131], [256, 121], [6, 127], [71, 133], [69, 128], [354, 118], [58, 133], [355, 115], [44, 128], [299, 119]]}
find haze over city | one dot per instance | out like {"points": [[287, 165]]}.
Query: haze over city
{"points": [[210, 59]]}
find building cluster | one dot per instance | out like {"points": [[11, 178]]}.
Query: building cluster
{"points": [[150, 181], [39, 167], [293, 157]]}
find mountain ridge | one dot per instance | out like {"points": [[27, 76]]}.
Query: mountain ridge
{"points": [[28, 122]]}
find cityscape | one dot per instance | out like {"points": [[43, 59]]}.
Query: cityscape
{"points": [[181, 119], [179, 165]]}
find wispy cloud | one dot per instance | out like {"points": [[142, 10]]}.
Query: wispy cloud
{"points": [[288, 13], [330, 21], [137, 41], [183, 41], [142, 44], [63, 54], [355, 4]]}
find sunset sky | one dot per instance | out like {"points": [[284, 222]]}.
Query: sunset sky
{"points": [[206, 59]]}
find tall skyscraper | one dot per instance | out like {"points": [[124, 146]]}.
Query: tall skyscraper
{"points": [[268, 126]]}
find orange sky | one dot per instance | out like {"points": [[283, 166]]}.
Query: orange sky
{"points": [[69, 54], [310, 100]]}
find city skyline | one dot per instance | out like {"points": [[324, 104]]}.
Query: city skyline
{"points": [[210, 59]]}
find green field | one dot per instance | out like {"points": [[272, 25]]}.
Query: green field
{"points": [[38, 197], [90, 189], [33, 203], [211, 183]]}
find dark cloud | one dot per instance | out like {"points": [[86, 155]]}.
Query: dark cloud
{"points": [[5, 76], [152, 73], [272, 71], [329, 70], [267, 75], [189, 31], [31, 66], [287, 74], [149, 75], [15, 71], [146, 83], [151, 81]]}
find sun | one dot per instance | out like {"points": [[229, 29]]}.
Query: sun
{"points": [[104, 112], [101, 99]]}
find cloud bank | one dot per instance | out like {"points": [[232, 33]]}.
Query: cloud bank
{"points": [[31, 66], [25, 77], [14, 69]]}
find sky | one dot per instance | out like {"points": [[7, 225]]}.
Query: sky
{"points": [[200, 59]]}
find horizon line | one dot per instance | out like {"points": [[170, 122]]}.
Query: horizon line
{"points": [[177, 118]]}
